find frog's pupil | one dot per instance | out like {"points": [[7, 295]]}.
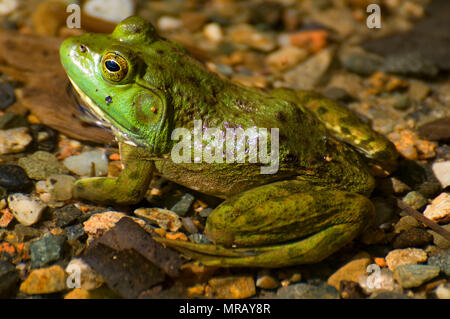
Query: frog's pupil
{"points": [[112, 66]]}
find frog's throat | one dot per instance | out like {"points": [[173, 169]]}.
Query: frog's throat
{"points": [[117, 129]]}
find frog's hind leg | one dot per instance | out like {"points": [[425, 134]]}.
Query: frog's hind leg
{"points": [[128, 188], [349, 128], [280, 224]]}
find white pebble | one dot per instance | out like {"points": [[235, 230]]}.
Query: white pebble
{"points": [[14, 140], [25, 209], [166, 23], [109, 10], [443, 291], [213, 32], [439, 208], [60, 187], [7, 6], [92, 163], [442, 172]]}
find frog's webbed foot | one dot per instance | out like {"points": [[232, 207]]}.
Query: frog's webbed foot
{"points": [[280, 224], [128, 188]]}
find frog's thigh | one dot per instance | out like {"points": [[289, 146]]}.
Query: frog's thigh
{"points": [[314, 222], [128, 188]]}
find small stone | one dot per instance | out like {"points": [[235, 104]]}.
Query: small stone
{"points": [[162, 217], [5, 218], [8, 6], [352, 271], [14, 140], [75, 232], [439, 208], [442, 172], [92, 163], [13, 178], [199, 239], [312, 40], [247, 35], [437, 130], [100, 223], [415, 199], [442, 260], [193, 21], [415, 237], [9, 278], [182, 206], [308, 291], [45, 281], [410, 64], [418, 90], [188, 224], [440, 241], [6, 99], [41, 165], [267, 282], [286, 57], [213, 32], [66, 215], [167, 23], [100, 293], [308, 74], [206, 212], [26, 210], [89, 278], [46, 250], [408, 256], [350, 290], [25, 233], [443, 291], [410, 276], [60, 187], [109, 10], [406, 223], [231, 287], [360, 62]]}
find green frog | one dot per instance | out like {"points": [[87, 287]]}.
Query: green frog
{"points": [[143, 86]]}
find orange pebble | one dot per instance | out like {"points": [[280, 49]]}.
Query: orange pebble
{"points": [[178, 235], [313, 40], [160, 231], [380, 261], [114, 157]]}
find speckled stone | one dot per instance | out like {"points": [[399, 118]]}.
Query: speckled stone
{"points": [[46, 250], [41, 165], [410, 276]]}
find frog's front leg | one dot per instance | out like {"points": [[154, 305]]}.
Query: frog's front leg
{"points": [[128, 188], [280, 224]]}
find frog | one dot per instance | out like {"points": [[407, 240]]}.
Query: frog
{"points": [[142, 86]]}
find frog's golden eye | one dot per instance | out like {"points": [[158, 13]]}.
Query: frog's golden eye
{"points": [[114, 67]]}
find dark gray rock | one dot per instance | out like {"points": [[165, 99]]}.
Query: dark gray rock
{"points": [[415, 237], [46, 250], [308, 291], [410, 276], [13, 178], [66, 215], [442, 260], [75, 232], [182, 206]]}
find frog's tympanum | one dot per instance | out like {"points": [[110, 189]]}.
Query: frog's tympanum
{"points": [[143, 86]]}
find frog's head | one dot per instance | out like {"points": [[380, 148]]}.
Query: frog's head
{"points": [[109, 74]]}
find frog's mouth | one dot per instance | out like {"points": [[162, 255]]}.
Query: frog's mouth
{"points": [[92, 114]]}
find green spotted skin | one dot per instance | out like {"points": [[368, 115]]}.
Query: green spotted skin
{"points": [[313, 205]]}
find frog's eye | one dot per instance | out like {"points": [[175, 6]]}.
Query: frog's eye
{"points": [[114, 67]]}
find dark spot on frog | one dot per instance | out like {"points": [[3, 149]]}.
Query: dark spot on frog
{"points": [[345, 130], [280, 116], [83, 48], [160, 52], [322, 110], [108, 100], [53, 181]]}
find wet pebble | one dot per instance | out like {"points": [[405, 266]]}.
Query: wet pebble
{"points": [[14, 140], [75, 232], [109, 10], [11, 120], [307, 74], [410, 276], [25, 209], [440, 241], [415, 199], [231, 287], [8, 279], [442, 260], [5, 218], [44, 138], [45, 281], [189, 225], [60, 187], [6, 92], [199, 239], [247, 35], [66, 215], [311, 40], [437, 130], [407, 256], [89, 278], [360, 62], [442, 172], [25, 233], [266, 281], [46, 250], [266, 13], [100, 223], [41, 165], [418, 90], [182, 206], [415, 237], [308, 291], [443, 291], [439, 208], [13, 178], [286, 57], [213, 32], [410, 64], [162, 217], [168, 23], [206, 212], [351, 271], [92, 163]]}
